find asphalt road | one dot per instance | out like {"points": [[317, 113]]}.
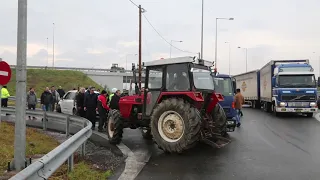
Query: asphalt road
{"points": [[264, 147]]}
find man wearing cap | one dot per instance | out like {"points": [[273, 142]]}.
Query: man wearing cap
{"points": [[113, 91], [61, 92]]}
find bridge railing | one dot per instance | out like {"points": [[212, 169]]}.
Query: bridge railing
{"points": [[49, 163]]}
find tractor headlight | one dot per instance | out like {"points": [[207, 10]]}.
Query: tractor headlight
{"points": [[230, 122], [313, 104], [282, 104]]}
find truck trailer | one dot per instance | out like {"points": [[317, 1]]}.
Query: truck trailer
{"points": [[249, 84], [285, 86]]}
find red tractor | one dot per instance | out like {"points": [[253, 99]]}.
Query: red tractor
{"points": [[177, 108]]}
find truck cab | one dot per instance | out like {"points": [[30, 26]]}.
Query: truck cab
{"points": [[226, 85], [294, 89]]}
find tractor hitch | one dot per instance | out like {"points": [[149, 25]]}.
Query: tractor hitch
{"points": [[214, 140]]}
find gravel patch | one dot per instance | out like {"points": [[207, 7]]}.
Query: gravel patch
{"points": [[101, 157]]}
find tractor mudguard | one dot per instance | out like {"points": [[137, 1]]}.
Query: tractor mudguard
{"points": [[215, 99], [126, 103]]}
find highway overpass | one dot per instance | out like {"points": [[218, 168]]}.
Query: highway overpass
{"points": [[104, 77]]}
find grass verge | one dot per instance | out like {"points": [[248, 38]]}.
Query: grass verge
{"points": [[39, 144], [42, 78]]}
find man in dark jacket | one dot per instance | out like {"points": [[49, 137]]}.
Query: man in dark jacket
{"points": [[46, 100], [32, 100], [80, 102], [114, 103], [61, 92], [102, 109], [91, 106]]}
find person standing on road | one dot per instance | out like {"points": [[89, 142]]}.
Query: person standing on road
{"points": [[113, 91], [91, 106], [102, 109], [80, 102], [239, 101], [56, 97], [4, 96], [46, 100], [61, 92], [114, 103], [32, 100]]}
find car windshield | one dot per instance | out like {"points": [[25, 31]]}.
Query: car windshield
{"points": [[223, 86], [297, 81], [202, 79]]}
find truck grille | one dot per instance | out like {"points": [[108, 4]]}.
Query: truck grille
{"points": [[298, 97], [298, 104]]}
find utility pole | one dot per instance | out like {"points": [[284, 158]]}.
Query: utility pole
{"points": [[21, 77], [140, 27], [52, 44], [201, 55]]}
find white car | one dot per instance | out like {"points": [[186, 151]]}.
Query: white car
{"points": [[67, 105]]}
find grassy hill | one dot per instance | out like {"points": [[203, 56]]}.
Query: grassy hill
{"points": [[41, 78]]}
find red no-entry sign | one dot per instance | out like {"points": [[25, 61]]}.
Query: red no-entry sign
{"points": [[5, 73]]}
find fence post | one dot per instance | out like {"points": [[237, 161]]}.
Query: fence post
{"points": [[44, 121], [70, 163], [68, 126], [83, 146]]}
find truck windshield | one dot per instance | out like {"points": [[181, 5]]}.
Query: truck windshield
{"points": [[223, 86], [202, 79], [297, 81]]}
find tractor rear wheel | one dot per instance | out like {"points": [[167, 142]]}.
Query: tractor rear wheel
{"points": [[175, 125], [220, 119], [114, 127]]}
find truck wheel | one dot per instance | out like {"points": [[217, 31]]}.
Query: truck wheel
{"points": [[220, 119], [146, 134], [175, 126], [114, 127]]}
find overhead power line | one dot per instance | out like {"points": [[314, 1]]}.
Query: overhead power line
{"points": [[134, 3], [164, 38]]}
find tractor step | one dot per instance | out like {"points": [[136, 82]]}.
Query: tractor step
{"points": [[216, 142]]}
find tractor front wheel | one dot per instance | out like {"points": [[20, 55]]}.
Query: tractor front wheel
{"points": [[175, 125], [114, 127], [220, 120]]}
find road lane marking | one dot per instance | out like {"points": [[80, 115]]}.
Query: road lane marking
{"points": [[317, 116]]}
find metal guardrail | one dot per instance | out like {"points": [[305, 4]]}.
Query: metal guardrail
{"points": [[49, 163]]}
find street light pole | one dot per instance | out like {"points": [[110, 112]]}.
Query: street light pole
{"points": [[21, 77], [246, 49], [201, 55], [47, 52], [229, 56], [216, 39], [52, 44], [171, 45]]}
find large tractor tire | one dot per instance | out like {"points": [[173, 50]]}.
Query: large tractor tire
{"points": [[175, 125], [114, 127], [220, 119]]}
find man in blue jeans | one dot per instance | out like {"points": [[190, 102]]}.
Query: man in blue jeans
{"points": [[239, 101]]}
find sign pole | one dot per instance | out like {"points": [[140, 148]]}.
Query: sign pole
{"points": [[20, 122]]}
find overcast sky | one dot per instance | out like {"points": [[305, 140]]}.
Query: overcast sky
{"points": [[98, 33]]}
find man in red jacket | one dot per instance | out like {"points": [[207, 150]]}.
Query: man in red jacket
{"points": [[103, 108]]}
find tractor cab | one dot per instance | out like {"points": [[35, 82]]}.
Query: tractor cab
{"points": [[177, 107]]}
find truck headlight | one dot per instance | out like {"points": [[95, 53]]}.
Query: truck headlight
{"points": [[313, 104], [282, 104]]}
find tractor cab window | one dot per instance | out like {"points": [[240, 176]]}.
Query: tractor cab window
{"points": [[202, 79], [177, 77], [155, 78]]}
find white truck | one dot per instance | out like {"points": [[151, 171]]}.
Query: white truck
{"points": [[249, 85]]}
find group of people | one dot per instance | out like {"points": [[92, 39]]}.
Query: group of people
{"points": [[49, 98], [89, 103]]}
